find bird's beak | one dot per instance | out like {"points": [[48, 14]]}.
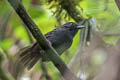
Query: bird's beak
{"points": [[80, 26]]}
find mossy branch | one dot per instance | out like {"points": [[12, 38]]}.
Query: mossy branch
{"points": [[69, 6]]}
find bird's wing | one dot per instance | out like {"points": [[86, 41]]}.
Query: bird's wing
{"points": [[51, 33]]}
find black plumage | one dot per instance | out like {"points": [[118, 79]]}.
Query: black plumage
{"points": [[60, 38]]}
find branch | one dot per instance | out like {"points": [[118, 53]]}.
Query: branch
{"points": [[29, 35], [118, 4], [3, 75], [5, 19], [111, 34], [45, 72], [69, 6], [51, 53]]}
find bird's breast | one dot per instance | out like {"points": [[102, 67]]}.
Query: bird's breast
{"points": [[61, 42]]}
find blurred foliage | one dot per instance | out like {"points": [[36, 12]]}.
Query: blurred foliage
{"points": [[47, 15]]}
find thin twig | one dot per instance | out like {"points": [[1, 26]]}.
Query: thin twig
{"points": [[3, 75], [111, 34], [45, 72], [4, 25]]}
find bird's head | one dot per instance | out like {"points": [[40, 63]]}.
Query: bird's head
{"points": [[73, 28]]}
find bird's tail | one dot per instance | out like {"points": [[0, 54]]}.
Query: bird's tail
{"points": [[29, 56]]}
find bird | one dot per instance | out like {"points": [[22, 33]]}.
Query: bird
{"points": [[60, 38]]}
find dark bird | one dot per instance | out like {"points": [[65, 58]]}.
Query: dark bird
{"points": [[60, 38]]}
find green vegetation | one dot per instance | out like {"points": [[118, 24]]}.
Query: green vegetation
{"points": [[48, 15]]}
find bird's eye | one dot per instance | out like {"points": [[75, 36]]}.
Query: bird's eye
{"points": [[71, 23]]}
